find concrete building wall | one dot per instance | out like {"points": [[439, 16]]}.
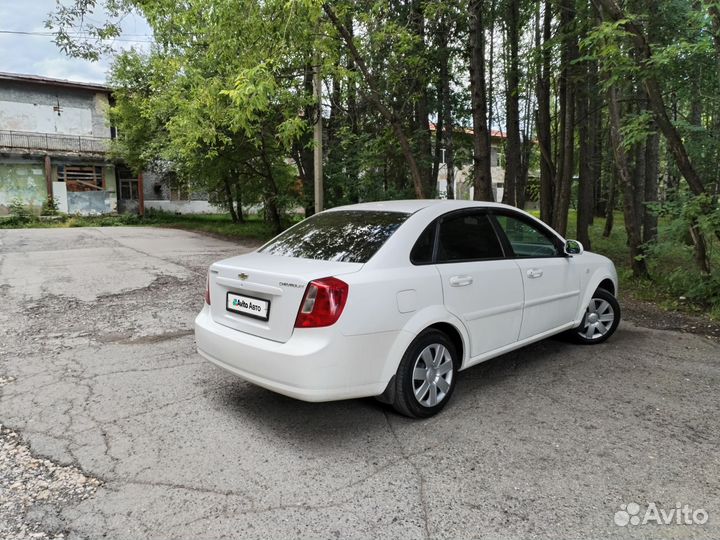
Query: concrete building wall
{"points": [[22, 180], [156, 189], [31, 108], [158, 197], [183, 207]]}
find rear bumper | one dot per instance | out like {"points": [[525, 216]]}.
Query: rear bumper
{"points": [[315, 364]]}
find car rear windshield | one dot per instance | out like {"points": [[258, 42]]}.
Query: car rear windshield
{"points": [[343, 235]]}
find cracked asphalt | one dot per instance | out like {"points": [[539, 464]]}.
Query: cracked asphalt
{"points": [[113, 427]]}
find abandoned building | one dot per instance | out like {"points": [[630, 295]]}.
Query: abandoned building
{"points": [[54, 141]]}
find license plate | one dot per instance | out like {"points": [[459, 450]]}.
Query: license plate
{"points": [[257, 308]]}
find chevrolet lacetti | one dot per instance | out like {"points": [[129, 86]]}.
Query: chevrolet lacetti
{"points": [[393, 299]]}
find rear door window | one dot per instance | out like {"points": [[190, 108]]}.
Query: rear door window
{"points": [[468, 237], [343, 235]]}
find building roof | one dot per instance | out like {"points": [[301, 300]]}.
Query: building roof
{"points": [[47, 81], [494, 133]]}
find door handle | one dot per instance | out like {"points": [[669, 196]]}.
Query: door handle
{"points": [[460, 281], [534, 273]]}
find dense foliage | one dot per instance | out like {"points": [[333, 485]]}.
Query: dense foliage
{"points": [[605, 105]]}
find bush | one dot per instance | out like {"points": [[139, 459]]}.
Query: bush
{"points": [[20, 213], [49, 207], [76, 221]]}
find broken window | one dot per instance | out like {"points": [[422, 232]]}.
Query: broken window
{"points": [[81, 178], [129, 189]]}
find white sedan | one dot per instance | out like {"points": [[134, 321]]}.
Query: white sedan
{"points": [[392, 299]]}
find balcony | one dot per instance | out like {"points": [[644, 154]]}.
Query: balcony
{"points": [[53, 142]]}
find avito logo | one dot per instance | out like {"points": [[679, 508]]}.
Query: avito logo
{"points": [[682, 514]]}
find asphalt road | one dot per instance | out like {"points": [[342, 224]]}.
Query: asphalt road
{"points": [[115, 427]]}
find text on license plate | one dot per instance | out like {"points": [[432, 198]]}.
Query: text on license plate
{"points": [[248, 305]]}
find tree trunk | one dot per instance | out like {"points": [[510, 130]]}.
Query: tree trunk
{"points": [[447, 114], [227, 187], [376, 99], [652, 166], [482, 179], [526, 143], [423, 137], [521, 187], [610, 205], [544, 123], [512, 104], [585, 157], [595, 130], [442, 86], [567, 117], [700, 250], [271, 194], [302, 149], [642, 57], [637, 260], [238, 204], [638, 185], [353, 168], [491, 68]]}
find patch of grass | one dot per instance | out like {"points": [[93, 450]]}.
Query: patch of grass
{"points": [[675, 282], [253, 228]]}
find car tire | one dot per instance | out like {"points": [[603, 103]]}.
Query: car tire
{"points": [[601, 319], [418, 394]]}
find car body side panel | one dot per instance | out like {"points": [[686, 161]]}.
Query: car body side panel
{"points": [[385, 300], [552, 293], [489, 302]]}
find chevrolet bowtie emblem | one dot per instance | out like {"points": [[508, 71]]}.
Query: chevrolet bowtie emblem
{"points": [[243, 276]]}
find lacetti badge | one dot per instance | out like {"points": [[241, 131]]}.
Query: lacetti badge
{"points": [[243, 276]]}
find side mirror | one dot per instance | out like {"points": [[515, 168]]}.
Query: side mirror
{"points": [[573, 247]]}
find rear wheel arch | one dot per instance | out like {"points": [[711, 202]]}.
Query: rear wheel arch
{"points": [[454, 336], [432, 317]]}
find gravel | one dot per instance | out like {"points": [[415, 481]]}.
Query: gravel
{"points": [[32, 486]]}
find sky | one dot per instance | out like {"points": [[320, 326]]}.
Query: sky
{"points": [[38, 55]]}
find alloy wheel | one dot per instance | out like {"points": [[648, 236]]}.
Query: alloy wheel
{"points": [[598, 320], [432, 375]]}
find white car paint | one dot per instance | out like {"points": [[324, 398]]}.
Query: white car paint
{"points": [[494, 305]]}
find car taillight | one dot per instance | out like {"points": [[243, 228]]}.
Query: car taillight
{"points": [[323, 303], [207, 290]]}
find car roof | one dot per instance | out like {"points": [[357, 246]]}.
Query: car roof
{"points": [[410, 206]]}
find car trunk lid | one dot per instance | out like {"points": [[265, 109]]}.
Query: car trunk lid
{"points": [[260, 294]]}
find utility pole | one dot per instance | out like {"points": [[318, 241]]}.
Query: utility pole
{"points": [[318, 133]]}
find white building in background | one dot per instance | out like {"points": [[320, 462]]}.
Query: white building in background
{"points": [[463, 187]]}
